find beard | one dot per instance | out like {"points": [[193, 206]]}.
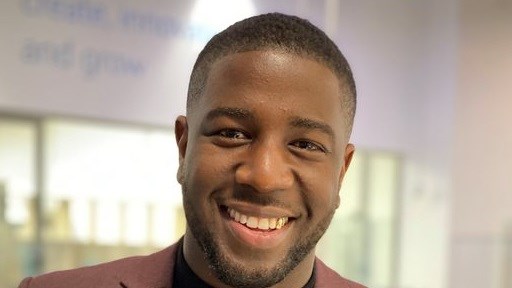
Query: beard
{"points": [[236, 275]]}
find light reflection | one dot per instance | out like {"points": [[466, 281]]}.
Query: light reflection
{"points": [[211, 17]]}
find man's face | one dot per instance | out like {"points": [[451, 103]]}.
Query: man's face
{"points": [[262, 156]]}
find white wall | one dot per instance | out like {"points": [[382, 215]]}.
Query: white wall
{"points": [[482, 183]]}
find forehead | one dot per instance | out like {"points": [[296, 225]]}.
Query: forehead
{"points": [[274, 82]]}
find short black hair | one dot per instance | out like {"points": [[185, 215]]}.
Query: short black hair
{"points": [[275, 31]]}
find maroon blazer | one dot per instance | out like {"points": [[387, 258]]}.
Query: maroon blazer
{"points": [[152, 271]]}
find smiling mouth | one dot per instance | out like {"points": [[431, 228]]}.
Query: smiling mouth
{"points": [[260, 223]]}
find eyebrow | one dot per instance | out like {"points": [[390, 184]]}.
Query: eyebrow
{"points": [[312, 124], [237, 113], [298, 122]]}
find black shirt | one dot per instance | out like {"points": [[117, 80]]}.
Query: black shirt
{"points": [[184, 277]]}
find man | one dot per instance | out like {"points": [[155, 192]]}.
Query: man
{"points": [[263, 152]]}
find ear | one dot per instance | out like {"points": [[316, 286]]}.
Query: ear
{"points": [[347, 159], [181, 134]]}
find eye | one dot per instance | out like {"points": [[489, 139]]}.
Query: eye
{"points": [[232, 134], [229, 137], [307, 145]]}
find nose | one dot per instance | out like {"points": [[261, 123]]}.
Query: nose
{"points": [[266, 168]]}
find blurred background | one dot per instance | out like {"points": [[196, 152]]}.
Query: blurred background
{"points": [[89, 91]]}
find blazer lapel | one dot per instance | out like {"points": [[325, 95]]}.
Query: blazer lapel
{"points": [[152, 271]]}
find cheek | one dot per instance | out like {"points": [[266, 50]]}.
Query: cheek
{"points": [[322, 194], [206, 166]]}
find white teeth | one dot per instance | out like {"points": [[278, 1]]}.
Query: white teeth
{"points": [[252, 222], [279, 223], [273, 222], [263, 224], [255, 222]]}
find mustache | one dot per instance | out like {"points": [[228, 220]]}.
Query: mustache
{"points": [[246, 193]]}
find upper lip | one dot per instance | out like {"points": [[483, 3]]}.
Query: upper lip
{"points": [[260, 211]]}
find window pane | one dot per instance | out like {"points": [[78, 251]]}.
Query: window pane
{"points": [[383, 176], [110, 189], [17, 141]]}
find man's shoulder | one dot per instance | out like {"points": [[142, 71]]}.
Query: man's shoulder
{"points": [[327, 278], [153, 270]]}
